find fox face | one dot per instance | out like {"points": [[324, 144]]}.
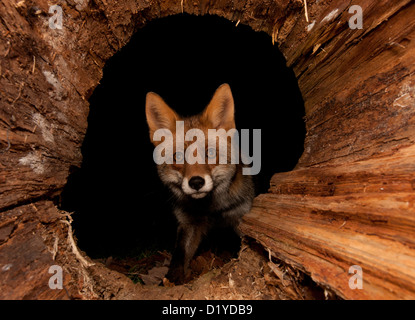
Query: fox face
{"points": [[204, 174]]}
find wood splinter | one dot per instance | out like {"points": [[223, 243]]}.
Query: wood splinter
{"points": [[306, 11]]}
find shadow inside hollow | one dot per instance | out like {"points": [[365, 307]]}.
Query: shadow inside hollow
{"points": [[120, 205]]}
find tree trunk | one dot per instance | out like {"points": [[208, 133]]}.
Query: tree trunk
{"points": [[348, 202], [324, 220]]}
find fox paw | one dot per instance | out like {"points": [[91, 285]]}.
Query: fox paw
{"points": [[174, 277]]}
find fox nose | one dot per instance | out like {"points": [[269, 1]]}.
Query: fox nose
{"points": [[196, 182]]}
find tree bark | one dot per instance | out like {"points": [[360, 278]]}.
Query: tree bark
{"points": [[325, 220], [332, 211]]}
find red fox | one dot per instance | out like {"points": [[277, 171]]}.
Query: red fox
{"points": [[206, 193]]}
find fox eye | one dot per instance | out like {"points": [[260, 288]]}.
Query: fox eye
{"points": [[178, 156], [211, 153]]}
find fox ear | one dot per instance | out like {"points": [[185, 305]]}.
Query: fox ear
{"points": [[220, 110], [159, 114]]}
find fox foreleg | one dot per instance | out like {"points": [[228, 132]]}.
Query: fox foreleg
{"points": [[188, 240]]}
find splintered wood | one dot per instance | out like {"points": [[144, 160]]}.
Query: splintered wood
{"points": [[325, 220], [349, 202]]}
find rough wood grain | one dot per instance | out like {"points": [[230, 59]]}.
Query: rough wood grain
{"points": [[358, 88], [358, 85], [325, 220]]}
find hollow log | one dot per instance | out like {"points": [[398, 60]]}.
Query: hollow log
{"points": [[325, 220], [349, 201]]}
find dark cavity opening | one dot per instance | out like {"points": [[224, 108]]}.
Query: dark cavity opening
{"points": [[120, 206]]}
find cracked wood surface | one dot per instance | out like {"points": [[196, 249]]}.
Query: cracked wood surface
{"points": [[324, 220], [358, 88]]}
